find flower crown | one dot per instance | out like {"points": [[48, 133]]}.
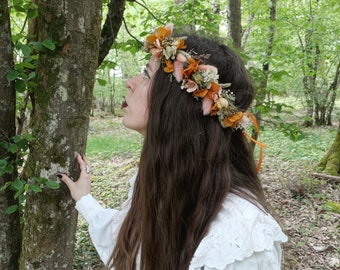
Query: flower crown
{"points": [[198, 79]]}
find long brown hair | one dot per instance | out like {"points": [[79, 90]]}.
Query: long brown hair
{"points": [[188, 165]]}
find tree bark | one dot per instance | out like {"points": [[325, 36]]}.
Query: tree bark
{"points": [[270, 43], [332, 96], [111, 27], [59, 121], [234, 22], [309, 69], [247, 31], [10, 234], [261, 94]]}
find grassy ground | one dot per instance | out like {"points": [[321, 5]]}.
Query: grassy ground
{"points": [[301, 202]]}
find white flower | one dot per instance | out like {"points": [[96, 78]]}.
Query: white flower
{"points": [[170, 52], [222, 103]]}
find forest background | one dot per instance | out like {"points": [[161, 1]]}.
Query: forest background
{"points": [[64, 66]]}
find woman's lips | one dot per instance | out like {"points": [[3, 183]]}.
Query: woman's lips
{"points": [[124, 104]]}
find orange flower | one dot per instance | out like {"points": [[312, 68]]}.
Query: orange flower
{"points": [[214, 109], [181, 45], [169, 66], [191, 68], [161, 34], [201, 93], [213, 91], [232, 120]]}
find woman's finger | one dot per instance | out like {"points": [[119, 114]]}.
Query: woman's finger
{"points": [[81, 161], [85, 168], [67, 180]]}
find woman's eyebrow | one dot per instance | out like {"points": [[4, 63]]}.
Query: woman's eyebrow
{"points": [[148, 69], [146, 72]]}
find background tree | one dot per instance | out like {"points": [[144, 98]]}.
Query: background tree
{"points": [[317, 34], [10, 235], [262, 73], [234, 23]]}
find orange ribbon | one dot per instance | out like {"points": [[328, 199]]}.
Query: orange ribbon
{"points": [[261, 145]]}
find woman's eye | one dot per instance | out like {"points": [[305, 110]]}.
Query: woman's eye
{"points": [[146, 74]]}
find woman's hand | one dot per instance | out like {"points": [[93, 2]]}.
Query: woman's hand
{"points": [[82, 186]]}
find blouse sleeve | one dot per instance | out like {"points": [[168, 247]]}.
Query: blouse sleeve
{"points": [[104, 224]]}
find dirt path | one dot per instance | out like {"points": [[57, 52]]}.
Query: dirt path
{"points": [[301, 204]]}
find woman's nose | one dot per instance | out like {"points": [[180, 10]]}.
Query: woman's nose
{"points": [[129, 84]]}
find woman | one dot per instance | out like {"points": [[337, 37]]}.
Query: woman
{"points": [[196, 201]]}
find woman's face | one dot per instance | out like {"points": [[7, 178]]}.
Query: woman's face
{"points": [[136, 102]]}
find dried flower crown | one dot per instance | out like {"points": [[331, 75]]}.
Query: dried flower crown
{"points": [[199, 80]]}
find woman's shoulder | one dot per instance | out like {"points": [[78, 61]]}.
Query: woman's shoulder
{"points": [[239, 230]]}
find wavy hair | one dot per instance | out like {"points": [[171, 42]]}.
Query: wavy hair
{"points": [[188, 165]]}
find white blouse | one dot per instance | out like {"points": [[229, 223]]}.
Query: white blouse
{"points": [[241, 237]]}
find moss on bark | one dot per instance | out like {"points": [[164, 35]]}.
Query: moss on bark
{"points": [[330, 163]]}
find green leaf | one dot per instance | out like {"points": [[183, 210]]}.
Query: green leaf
{"points": [[32, 13], [18, 185], [101, 82], [12, 75], [18, 193], [5, 167], [37, 46], [49, 44], [28, 65], [35, 188], [41, 180], [11, 209], [19, 8], [26, 50], [4, 144], [6, 185], [13, 148], [20, 86], [278, 108], [3, 163], [31, 75], [53, 185], [144, 33]]}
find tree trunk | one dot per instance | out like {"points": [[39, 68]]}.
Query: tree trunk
{"points": [[309, 102], [260, 96], [111, 27], [60, 119], [247, 31], [332, 96], [309, 68], [234, 23], [330, 163], [10, 234], [216, 7]]}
